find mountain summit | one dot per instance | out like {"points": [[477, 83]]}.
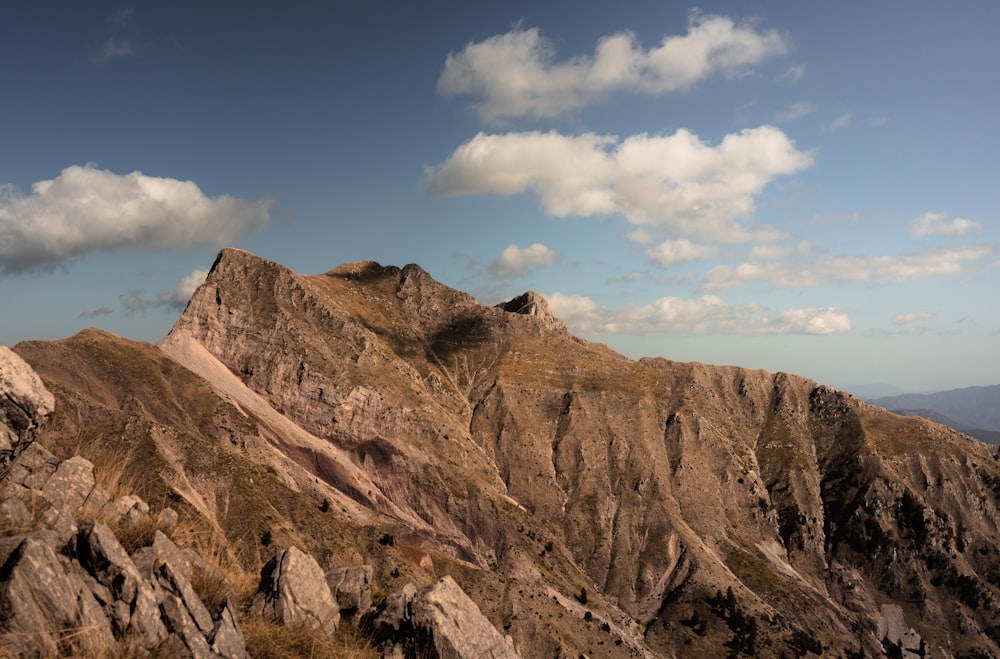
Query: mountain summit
{"points": [[588, 503]]}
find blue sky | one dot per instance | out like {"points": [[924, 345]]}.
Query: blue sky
{"points": [[805, 187]]}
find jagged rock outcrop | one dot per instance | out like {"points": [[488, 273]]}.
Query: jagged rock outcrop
{"points": [[25, 403], [71, 588], [587, 503]]}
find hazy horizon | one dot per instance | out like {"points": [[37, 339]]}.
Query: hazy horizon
{"points": [[777, 185]]}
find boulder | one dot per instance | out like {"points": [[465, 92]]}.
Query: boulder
{"points": [[227, 639], [455, 625], [25, 404], [293, 589], [351, 587], [41, 601], [70, 485]]}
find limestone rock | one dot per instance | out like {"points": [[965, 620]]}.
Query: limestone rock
{"points": [[351, 587], [29, 472], [456, 626], [40, 601], [293, 589], [532, 304], [134, 611], [70, 485], [25, 403]]}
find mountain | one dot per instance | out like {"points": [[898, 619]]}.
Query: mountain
{"points": [[969, 408], [989, 436], [588, 504]]}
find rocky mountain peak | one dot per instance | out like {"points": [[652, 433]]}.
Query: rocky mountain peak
{"points": [[532, 304]]}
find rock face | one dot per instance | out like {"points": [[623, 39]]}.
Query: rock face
{"points": [[25, 403], [586, 503]]}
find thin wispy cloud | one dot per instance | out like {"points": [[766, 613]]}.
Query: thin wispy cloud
{"points": [[794, 111], [708, 314], [670, 252], [794, 72], [938, 223], [843, 121], [122, 44], [94, 313], [86, 209], [848, 269], [114, 48], [670, 182], [906, 318], [122, 18], [516, 74], [176, 299]]}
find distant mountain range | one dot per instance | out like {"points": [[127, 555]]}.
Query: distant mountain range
{"points": [[972, 410]]}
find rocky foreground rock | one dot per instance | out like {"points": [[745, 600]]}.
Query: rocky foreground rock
{"points": [[587, 504]]}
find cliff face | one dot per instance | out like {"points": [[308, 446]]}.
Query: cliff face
{"points": [[589, 503]]}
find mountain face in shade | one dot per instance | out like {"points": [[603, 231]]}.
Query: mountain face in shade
{"points": [[588, 503]]}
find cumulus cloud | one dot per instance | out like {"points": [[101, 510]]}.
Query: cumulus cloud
{"points": [[938, 223], [515, 261], [670, 252], [905, 318], [86, 209], [847, 269], [176, 298], [708, 314], [675, 182], [517, 75]]}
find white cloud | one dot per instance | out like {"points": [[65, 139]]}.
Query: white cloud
{"points": [[675, 182], [677, 251], [179, 296], [516, 74], [515, 261], [86, 209], [708, 314], [847, 269], [640, 236], [937, 223], [777, 252], [904, 318]]}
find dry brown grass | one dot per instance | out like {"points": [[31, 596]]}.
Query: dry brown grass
{"points": [[267, 640]]}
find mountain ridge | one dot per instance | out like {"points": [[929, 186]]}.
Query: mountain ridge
{"points": [[587, 502]]}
